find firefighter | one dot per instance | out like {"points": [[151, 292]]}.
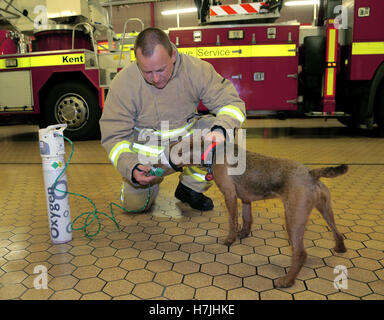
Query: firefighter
{"points": [[164, 86]]}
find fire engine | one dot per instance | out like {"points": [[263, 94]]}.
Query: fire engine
{"points": [[63, 75], [332, 68]]}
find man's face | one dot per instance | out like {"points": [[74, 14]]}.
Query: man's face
{"points": [[158, 68]]}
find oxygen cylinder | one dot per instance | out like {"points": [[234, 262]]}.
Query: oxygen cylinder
{"points": [[52, 153]]}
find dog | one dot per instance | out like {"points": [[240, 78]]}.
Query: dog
{"points": [[265, 177]]}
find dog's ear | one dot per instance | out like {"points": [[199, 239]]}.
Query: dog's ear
{"points": [[181, 149], [172, 144], [202, 144], [188, 143], [176, 148]]}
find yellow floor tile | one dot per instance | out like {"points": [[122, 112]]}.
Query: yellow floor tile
{"points": [[175, 252]]}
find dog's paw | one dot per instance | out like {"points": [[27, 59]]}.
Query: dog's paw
{"points": [[283, 282], [243, 234], [229, 241], [340, 249]]}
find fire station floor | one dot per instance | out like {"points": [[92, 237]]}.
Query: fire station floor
{"points": [[175, 252]]}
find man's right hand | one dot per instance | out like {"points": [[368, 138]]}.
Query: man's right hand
{"points": [[140, 173]]}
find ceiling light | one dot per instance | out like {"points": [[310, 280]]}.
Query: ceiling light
{"points": [[177, 11], [302, 3]]}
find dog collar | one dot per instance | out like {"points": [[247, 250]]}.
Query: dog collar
{"points": [[205, 157]]}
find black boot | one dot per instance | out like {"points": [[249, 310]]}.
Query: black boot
{"points": [[195, 199]]}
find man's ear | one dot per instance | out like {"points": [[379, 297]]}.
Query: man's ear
{"points": [[173, 56]]}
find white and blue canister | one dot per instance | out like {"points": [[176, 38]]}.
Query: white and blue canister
{"points": [[52, 152]]}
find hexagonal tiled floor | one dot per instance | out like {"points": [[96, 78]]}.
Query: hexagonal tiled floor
{"points": [[174, 252]]}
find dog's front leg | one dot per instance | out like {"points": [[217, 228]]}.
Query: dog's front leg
{"points": [[247, 220], [231, 203], [228, 189]]}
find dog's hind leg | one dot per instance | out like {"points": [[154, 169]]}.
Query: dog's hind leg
{"points": [[296, 215], [324, 206], [247, 220]]}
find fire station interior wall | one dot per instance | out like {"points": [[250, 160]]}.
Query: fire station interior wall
{"points": [[16, 89], [121, 13]]}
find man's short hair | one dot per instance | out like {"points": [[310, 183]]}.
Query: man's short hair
{"points": [[149, 38]]}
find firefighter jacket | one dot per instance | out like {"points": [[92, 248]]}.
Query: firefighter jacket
{"points": [[133, 105]]}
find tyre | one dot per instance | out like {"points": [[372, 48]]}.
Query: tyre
{"points": [[355, 103], [379, 108], [314, 55], [346, 121], [76, 104]]}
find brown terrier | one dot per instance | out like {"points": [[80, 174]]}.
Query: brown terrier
{"points": [[265, 177]]}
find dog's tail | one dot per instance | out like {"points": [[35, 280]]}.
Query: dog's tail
{"points": [[329, 172]]}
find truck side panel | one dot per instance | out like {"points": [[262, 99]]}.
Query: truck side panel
{"points": [[260, 60], [367, 51], [43, 69]]}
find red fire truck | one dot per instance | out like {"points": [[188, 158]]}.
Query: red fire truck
{"points": [[61, 77], [331, 69]]}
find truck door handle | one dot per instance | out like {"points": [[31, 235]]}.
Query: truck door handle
{"points": [[237, 51], [295, 75], [237, 76]]}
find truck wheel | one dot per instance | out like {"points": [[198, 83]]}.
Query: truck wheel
{"points": [[379, 109], [356, 102], [353, 121], [77, 105]]}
